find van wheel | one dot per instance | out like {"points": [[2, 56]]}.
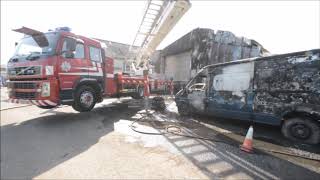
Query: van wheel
{"points": [[301, 130], [85, 99], [184, 109]]}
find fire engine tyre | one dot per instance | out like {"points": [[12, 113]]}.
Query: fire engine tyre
{"points": [[184, 109], [139, 94], [85, 99], [302, 130]]}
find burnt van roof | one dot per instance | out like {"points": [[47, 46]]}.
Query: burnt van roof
{"points": [[313, 51]]}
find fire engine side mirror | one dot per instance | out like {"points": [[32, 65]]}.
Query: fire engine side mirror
{"points": [[15, 44]]}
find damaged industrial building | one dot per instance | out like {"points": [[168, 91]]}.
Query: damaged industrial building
{"points": [[182, 59]]}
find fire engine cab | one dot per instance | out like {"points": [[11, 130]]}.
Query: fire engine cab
{"points": [[60, 67]]}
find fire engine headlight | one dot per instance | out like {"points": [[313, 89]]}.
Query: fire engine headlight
{"points": [[49, 70], [45, 91]]}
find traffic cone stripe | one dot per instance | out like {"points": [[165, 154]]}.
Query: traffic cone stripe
{"points": [[247, 143]]}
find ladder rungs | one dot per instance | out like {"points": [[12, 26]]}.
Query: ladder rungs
{"points": [[150, 17], [154, 9], [153, 4], [151, 14], [146, 34]]}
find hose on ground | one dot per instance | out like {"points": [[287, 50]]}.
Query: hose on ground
{"points": [[177, 130]]}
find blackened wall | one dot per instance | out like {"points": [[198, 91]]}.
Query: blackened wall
{"points": [[207, 47]]}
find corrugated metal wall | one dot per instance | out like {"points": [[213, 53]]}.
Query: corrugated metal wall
{"points": [[178, 66]]}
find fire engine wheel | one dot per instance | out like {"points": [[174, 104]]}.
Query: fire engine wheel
{"points": [[139, 94], [85, 99], [301, 129]]}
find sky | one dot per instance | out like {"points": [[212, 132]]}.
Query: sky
{"points": [[280, 26]]}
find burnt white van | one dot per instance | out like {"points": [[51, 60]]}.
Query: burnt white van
{"points": [[281, 90]]}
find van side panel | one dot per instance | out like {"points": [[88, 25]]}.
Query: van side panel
{"points": [[230, 91], [288, 83]]}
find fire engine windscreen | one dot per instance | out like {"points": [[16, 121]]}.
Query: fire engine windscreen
{"points": [[42, 44]]}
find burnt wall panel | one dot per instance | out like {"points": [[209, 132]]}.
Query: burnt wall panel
{"points": [[288, 83], [208, 47]]}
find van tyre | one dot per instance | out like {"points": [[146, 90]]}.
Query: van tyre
{"points": [[302, 130], [84, 99], [184, 109]]}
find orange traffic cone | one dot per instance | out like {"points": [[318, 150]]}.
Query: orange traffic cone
{"points": [[247, 143]]}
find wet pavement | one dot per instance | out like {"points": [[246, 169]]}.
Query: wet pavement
{"points": [[61, 143]]}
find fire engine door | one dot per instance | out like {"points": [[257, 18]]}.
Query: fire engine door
{"points": [[73, 65]]}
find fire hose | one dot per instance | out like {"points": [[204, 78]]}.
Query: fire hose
{"points": [[175, 128]]}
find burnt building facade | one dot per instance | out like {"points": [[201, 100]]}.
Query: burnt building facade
{"points": [[182, 59]]}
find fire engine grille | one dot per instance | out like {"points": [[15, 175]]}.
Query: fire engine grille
{"points": [[25, 95], [24, 85], [19, 71]]}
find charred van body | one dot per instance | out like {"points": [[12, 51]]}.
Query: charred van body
{"points": [[282, 90]]}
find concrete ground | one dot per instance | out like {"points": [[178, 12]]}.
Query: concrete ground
{"points": [[61, 143]]}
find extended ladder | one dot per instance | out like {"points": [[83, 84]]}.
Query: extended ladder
{"points": [[159, 18]]}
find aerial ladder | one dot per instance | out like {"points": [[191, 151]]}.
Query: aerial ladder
{"points": [[160, 16]]}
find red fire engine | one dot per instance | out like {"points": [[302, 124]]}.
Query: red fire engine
{"points": [[64, 68], [60, 67]]}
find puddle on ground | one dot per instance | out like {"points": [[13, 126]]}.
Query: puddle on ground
{"points": [[123, 127]]}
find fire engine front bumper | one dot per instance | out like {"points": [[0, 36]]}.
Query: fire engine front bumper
{"points": [[40, 93], [33, 102]]}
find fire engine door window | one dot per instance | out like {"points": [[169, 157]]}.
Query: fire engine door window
{"points": [[79, 53], [95, 54]]}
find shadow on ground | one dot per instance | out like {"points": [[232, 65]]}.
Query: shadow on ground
{"points": [[37, 145]]}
